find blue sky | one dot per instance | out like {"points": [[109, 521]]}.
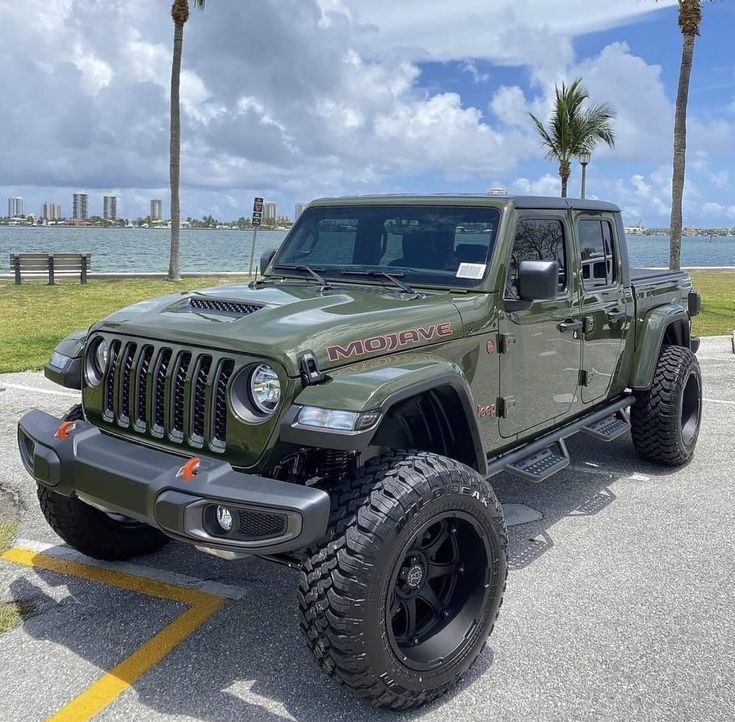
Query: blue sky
{"points": [[328, 97]]}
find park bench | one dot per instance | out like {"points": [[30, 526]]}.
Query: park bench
{"points": [[51, 265]]}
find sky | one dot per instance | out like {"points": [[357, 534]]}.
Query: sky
{"points": [[298, 99]]}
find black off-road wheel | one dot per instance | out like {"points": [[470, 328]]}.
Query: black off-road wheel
{"points": [[95, 533], [400, 600], [665, 418]]}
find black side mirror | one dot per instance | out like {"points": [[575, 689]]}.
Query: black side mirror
{"points": [[265, 259], [538, 280]]}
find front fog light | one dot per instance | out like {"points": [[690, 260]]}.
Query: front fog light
{"points": [[224, 518], [337, 419]]}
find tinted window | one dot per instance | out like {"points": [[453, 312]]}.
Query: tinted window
{"points": [[598, 254], [421, 244], [537, 240]]}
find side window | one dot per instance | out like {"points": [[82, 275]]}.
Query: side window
{"points": [[598, 253], [537, 239]]}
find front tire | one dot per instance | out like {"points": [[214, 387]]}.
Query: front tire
{"points": [[665, 418], [401, 599], [95, 533]]}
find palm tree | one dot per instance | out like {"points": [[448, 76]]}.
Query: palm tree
{"points": [[690, 18], [179, 14], [574, 128]]}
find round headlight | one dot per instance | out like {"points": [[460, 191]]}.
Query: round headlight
{"points": [[97, 362], [265, 389], [100, 356]]}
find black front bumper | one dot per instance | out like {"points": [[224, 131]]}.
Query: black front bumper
{"points": [[122, 477]]}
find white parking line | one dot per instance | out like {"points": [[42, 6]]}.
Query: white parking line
{"points": [[21, 387], [719, 401]]}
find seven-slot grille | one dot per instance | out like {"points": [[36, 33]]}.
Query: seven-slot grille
{"points": [[167, 393]]}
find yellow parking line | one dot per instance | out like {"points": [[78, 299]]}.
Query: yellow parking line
{"points": [[202, 605]]}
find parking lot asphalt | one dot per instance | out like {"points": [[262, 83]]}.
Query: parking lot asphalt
{"points": [[620, 602]]}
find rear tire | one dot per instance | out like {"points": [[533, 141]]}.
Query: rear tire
{"points": [[416, 547], [665, 418], [95, 533]]}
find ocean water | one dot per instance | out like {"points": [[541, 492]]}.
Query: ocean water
{"points": [[146, 249]]}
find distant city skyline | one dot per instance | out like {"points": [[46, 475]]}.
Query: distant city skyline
{"points": [[15, 206], [51, 211], [109, 208], [80, 206]]}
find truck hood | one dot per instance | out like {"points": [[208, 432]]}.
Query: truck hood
{"points": [[286, 319]]}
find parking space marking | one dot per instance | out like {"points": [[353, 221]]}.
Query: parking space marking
{"points": [[230, 591], [21, 387], [719, 401], [201, 606]]}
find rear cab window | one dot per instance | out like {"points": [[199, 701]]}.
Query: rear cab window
{"points": [[598, 252]]}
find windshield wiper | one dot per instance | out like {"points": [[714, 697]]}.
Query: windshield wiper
{"points": [[308, 269], [394, 277]]}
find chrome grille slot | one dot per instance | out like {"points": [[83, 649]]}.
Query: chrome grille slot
{"points": [[124, 368], [219, 420], [169, 393], [108, 409], [199, 398]]}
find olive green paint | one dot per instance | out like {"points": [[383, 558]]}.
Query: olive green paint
{"points": [[536, 376]]}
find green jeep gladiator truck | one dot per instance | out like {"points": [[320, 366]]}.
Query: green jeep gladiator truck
{"points": [[344, 413]]}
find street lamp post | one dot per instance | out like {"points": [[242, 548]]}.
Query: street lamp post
{"points": [[584, 159]]}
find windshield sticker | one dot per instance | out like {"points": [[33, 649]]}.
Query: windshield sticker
{"points": [[471, 270], [389, 341]]}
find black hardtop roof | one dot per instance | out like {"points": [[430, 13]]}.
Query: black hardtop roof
{"points": [[519, 201]]}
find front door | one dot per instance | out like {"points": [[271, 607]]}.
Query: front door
{"points": [[540, 342], [606, 305]]}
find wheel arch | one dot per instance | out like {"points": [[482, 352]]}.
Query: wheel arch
{"points": [[664, 326], [401, 393]]}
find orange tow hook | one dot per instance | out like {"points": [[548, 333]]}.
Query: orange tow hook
{"points": [[189, 470], [65, 428]]}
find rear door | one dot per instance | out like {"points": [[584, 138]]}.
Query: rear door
{"points": [[541, 350], [606, 304]]}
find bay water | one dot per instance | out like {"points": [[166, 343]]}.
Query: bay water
{"points": [[146, 249]]}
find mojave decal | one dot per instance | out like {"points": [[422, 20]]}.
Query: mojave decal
{"points": [[389, 341]]}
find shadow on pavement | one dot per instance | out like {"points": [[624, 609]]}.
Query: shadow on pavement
{"points": [[248, 662], [571, 493]]}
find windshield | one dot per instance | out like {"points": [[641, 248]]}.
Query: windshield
{"points": [[432, 245]]}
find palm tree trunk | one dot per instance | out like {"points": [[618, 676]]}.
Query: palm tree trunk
{"points": [[564, 173], [680, 146], [174, 267]]}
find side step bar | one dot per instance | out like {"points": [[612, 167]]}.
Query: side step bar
{"points": [[610, 427], [546, 456], [542, 464]]}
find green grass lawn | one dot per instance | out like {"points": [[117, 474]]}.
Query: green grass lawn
{"points": [[36, 316], [718, 302]]}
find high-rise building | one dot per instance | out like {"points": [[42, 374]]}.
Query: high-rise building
{"points": [[51, 211], [269, 212], [79, 206], [156, 210], [109, 208], [15, 206], [299, 209]]}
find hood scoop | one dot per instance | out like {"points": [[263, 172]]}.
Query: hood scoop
{"points": [[231, 309]]}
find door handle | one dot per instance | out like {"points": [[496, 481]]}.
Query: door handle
{"points": [[570, 324], [617, 314]]}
